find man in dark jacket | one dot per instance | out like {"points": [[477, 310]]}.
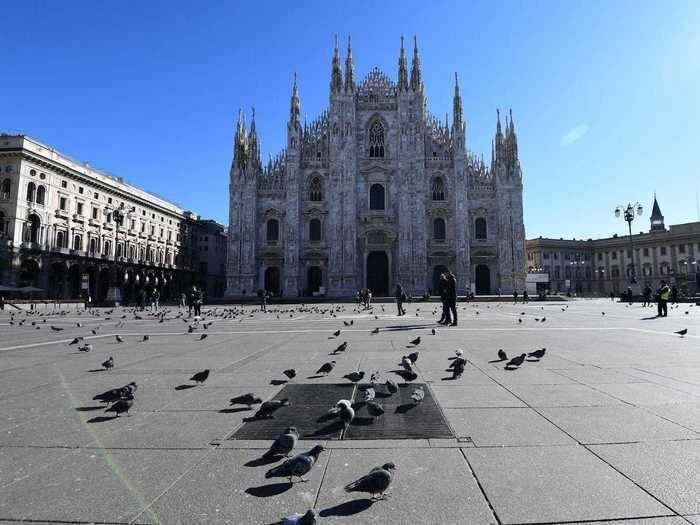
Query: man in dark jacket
{"points": [[442, 290], [451, 297], [400, 296]]}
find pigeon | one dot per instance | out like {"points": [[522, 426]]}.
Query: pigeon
{"points": [[85, 348], [538, 354], [458, 368], [123, 405], [290, 373], [375, 409], [283, 444], [346, 323], [434, 331], [203, 337], [520, 321], [246, 399], [406, 364], [297, 466], [200, 377], [355, 376], [341, 348], [376, 482], [145, 338], [109, 363], [391, 386], [502, 355], [131, 387], [119, 338], [368, 394], [374, 378], [418, 395], [459, 352], [413, 356], [375, 331], [682, 332], [543, 320], [75, 341], [190, 329], [336, 333], [56, 328], [300, 519], [416, 341], [517, 361], [326, 368], [602, 313], [270, 407], [79, 325], [347, 413]]}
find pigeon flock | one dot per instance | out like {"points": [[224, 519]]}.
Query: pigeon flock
{"points": [[293, 467]]}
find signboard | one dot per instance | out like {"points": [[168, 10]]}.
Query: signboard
{"points": [[537, 278], [85, 281]]}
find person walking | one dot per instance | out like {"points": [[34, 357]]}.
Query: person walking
{"points": [[155, 298], [183, 300], [263, 300], [663, 294], [452, 297], [400, 296], [442, 290], [197, 301], [526, 297], [647, 296], [515, 296]]}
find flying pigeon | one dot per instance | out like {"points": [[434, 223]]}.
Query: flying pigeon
{"points": [[355, 376], [418, 395], [413, 356], [537, 353], [109, 363], [246, 399], [75, 341], [123, 405], [682, 332], [283, 444], [85, 348], [375, 409], [119, 338], [336, 333], [270, 407], [368, 394], [326, 368], [297, 466], [517, 361], [416, 341], [391, 386], [202, 337], [290, 373], [502, 355], [300, 519], [200, 377], [375, 483]]}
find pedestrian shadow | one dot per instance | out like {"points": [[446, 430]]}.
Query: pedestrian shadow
{"points": [[649, 318], [184, 387], [266, 491], [89, 409], [348, 508], [97, 370]]}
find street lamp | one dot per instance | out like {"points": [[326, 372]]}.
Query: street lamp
{"points": [[628, 214], [114, 294]]}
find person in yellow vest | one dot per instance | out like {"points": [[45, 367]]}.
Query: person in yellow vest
{"points": [[663, 294]]}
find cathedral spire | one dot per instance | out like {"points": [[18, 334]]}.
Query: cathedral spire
{"points": [[240, 146], [336, 73], [512, 140], [253, 145], [349, 69], [403, 69], [657, 219], [294, 105], [416, 81], [457, 106]]}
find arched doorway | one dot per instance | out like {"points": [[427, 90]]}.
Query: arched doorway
{"points": [[57, 280], [272, 280], [437, 270], [29, 273], [103, 286], [378, 273], [314, 279], [483, 279], [74, 282]]}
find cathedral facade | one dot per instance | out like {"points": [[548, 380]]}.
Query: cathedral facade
{"points": [[376, 191]]}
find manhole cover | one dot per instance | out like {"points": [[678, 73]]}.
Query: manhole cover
{"points": [[401, 420]]}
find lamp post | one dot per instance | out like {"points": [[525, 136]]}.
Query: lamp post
{"points": [[114, 293], [628, 214]]}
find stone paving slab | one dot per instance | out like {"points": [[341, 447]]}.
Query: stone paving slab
{"points": [[557, 484], [562, 395], [669, 470], [641, 394], [475, 396]]}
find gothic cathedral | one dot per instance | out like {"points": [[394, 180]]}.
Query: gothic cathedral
{"points": [[376, 191]]}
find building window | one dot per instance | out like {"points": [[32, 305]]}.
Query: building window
{"points": [[480, 231], [556, 256], [663, 250], [614, 255], [64, 184], [62, 203], [567, 272], [79, 208], [681, 248], [93, 245], [6, 187], [439, 229], [615, 271], [376, 197], [60, 240], [94, 213], [273, 230], [77, 242], [31, 192], [645, 252], [438, 189], [315, 230], [107, 247], [316, 190], [41, 195], [376, 140], [546, 255], [557, 272], [600, 256]]}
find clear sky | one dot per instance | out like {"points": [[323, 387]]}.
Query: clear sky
{"points": [[605, 93]]}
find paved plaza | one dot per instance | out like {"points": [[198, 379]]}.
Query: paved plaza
{"points": [[605, 428]]}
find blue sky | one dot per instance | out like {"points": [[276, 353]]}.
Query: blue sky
{"points": [[605, 94]]}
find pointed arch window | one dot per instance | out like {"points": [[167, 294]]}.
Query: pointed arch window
{"points": [[41, 195], [31, 192], [480, 230], [316, 190], [438, 189], [376, 140], [315, 230], [273, 230], [439, 229], [376, 197], [77, 242]]}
